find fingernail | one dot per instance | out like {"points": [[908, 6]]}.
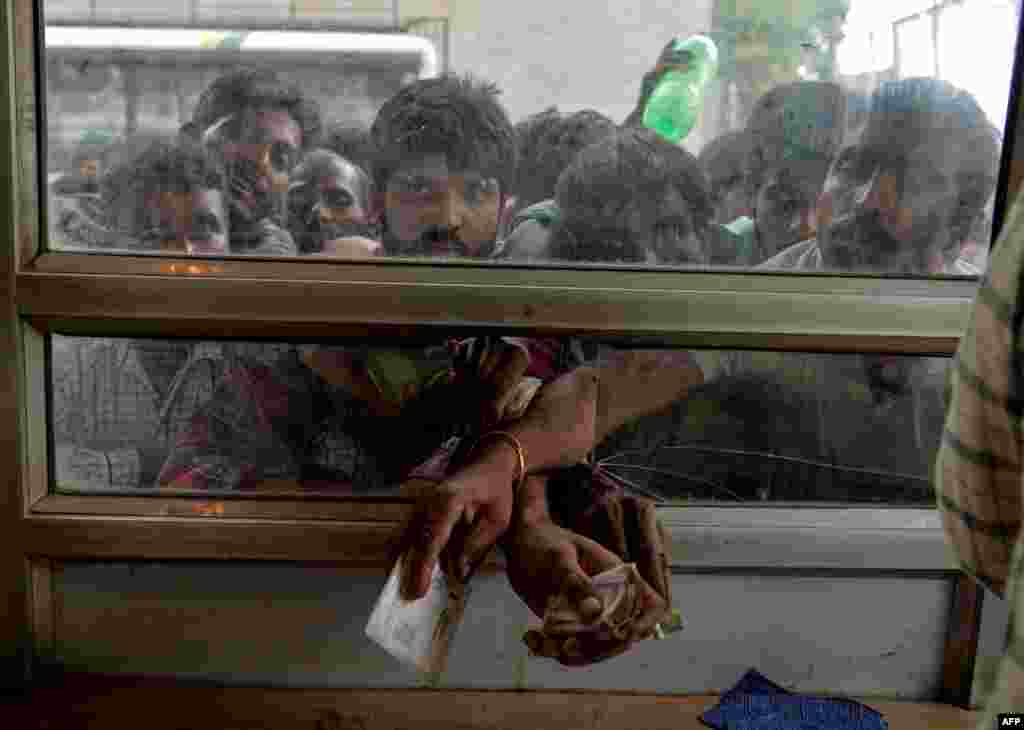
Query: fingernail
{"points": [[590, 608]]}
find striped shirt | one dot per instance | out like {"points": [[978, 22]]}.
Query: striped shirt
{"points": [[978, 468]]}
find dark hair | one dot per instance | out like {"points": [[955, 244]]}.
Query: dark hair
{"points": [[351, 141], [547, 143], [255, 89], [923, 104], [458, 117], [611, 174], [164, 166], [909, 110], [529, 129], [800, 124], [318, 161], [726, 150]]}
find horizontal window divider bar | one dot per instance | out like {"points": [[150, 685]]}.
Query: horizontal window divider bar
{"points": [[263, 506], [814, 321], [383, 334], [712, 542], [209, 538], [395, 509], [496, 274]]}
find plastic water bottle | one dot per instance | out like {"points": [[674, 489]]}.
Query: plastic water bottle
{"points": [[676, 101]]}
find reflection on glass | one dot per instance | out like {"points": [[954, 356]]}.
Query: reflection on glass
{"points": [[676, 426], [792, 427], [836, 135]]}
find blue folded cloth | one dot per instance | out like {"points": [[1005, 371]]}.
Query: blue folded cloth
{"points": [[757, 703]]}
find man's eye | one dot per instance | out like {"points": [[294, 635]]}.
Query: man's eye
{"points": [[732, 182], [283, 156], [204, 226], [787, 205], [850, 162], [475, 190], [415, 185], [337, 199]]}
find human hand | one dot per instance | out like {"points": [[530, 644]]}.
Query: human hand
{"points": [[488, 373], [351, 247], [629, 527], [461, 519], [550, 565], [668, 59]]}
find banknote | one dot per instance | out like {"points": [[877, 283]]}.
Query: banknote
{"points": [[619, 592], [418, 633]]}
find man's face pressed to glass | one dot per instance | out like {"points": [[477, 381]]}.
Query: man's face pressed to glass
{"points": [[661, 227], [259, 162], [654, 226], [893, 208], [329, 197], [432, 210], [785, 198], [728, 194], [192, 223]]}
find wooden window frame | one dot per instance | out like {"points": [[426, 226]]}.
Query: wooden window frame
{"points": [[63, 292]]}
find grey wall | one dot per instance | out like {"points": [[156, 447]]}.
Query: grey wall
{"points": [[276, 624]]}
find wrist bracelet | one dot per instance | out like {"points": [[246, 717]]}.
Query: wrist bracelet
{"points": [[520, 454]]}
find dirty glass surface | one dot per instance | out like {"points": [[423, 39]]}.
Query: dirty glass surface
{"points": [[824, 135], [137, 415]]}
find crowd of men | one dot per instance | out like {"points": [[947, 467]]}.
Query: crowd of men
{"points": [[442, 172], [256, 172]]}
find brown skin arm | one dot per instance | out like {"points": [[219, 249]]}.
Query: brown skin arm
{"points": [[638, 383], [566, 420], [570, 417]]}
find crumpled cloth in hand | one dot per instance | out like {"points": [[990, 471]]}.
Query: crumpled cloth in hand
{"points": [[757, 703]]}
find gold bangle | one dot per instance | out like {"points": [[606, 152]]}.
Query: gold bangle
{"points": [[520, 454]]}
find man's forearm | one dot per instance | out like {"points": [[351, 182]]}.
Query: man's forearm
{"points": [[633, 384], [640, 382]]}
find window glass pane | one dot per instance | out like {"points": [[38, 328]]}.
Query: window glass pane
{"points": [[836, 135], [376, 420], [278, 625]]}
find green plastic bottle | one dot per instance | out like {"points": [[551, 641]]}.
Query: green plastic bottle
{"points": [[676, 101]]}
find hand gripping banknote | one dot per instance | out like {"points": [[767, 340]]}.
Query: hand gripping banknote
{"points": [[619, 592]]}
